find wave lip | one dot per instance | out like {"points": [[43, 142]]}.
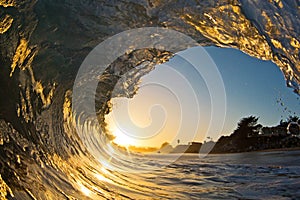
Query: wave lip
{"points": [[38, 135]]}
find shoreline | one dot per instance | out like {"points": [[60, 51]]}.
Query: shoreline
{"points": [[279, 149], [257, 151], [264, 150]]}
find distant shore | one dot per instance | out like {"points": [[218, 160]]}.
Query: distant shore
{"points": [[279, 149], [229, 144], [249, 136], [257, 151], [265, 150]]}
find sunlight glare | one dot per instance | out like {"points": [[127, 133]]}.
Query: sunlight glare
{"points": [[122, 139]]}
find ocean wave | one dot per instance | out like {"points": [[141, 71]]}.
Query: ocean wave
{"points": [[43, 44]]}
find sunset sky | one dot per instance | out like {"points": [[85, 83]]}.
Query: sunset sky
{"points": [[173, 103]]}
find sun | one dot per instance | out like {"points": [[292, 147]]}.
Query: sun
{"points": [[120, 136], [123, 139]]}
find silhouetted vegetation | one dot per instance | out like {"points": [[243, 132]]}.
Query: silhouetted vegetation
{"points": [[251, 136], [247, 127], [285, 123]]}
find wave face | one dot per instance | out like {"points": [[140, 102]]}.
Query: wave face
{"points": [[43, 44]]}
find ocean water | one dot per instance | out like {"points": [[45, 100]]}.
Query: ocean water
{"points": [[256, 175], [48, 150]]}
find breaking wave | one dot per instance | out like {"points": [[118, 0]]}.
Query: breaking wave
{"points": [[43, 141]]}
